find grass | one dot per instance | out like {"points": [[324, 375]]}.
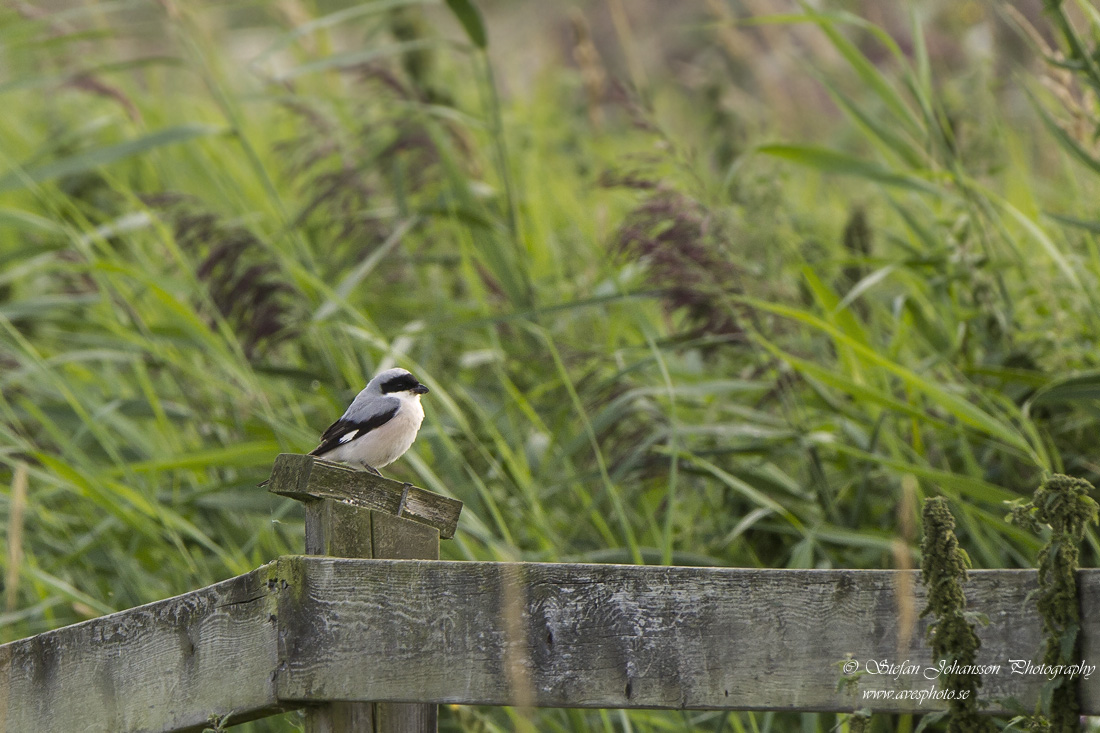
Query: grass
{"points": [[658, 326]]}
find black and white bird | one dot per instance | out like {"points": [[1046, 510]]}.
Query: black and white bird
{"points": [[379, 426]]}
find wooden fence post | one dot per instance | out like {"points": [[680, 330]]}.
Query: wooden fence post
{"points": [[356, 514]]}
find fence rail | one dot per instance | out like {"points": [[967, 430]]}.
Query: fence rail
{"points": [[310, 629], [305, 630]]}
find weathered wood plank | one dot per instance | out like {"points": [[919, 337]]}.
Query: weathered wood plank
{"points": [[626, 637], [306, 477], [394, 538], [173, 665], [336, 529], [307, 630]]}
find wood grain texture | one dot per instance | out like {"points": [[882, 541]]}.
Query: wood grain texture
{"points": [[306, 477], [173, 665], [394, 538], [336, 529], [627, 637], [310, 630]]}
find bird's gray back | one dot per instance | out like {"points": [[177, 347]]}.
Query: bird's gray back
{"points": [[369, 403]]}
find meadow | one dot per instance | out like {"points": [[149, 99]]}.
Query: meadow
{"points": [[730, 284]]}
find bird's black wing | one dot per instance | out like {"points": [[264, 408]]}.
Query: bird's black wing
{"points": [[337, 433]]}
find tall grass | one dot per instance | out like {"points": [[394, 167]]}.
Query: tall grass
{"points": [[659, 334]]}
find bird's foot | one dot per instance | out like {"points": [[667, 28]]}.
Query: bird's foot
{"points": [[373, 470]]}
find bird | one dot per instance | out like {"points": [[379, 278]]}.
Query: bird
{"points": [[380, 424]]}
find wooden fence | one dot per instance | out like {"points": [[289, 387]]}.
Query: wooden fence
{"points": [[371, 644]]}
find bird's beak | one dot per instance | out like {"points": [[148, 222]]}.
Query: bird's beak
{"points": [[420, 389]]}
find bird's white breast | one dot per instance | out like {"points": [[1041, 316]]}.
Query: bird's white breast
{"points": [[387, 443]]}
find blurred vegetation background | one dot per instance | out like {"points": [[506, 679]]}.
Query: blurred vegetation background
{"points": [[726, 282]]}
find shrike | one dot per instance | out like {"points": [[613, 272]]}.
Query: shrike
{"points": [[380, 424]]}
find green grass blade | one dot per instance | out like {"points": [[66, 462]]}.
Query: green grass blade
{"points": [[99, 157], [832, 161], [470, 18]]}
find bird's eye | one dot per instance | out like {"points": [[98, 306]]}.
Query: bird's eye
{"points": [[400, 383]]}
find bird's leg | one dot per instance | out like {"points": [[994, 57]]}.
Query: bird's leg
{"points": [[373, 470]]}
